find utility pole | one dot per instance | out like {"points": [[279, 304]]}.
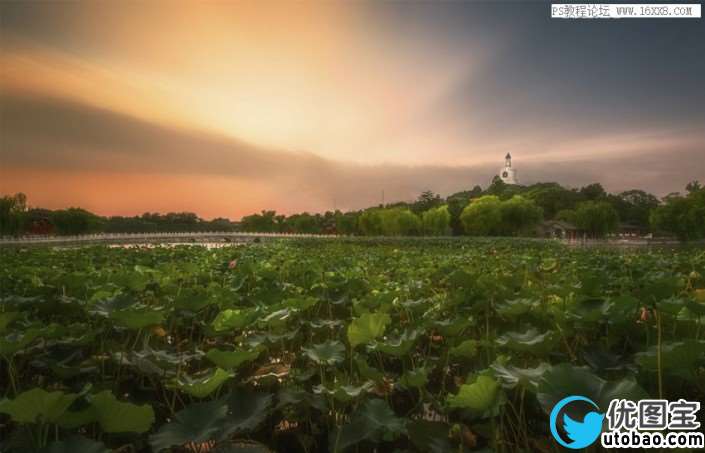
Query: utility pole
{"points": [[382, 197]]}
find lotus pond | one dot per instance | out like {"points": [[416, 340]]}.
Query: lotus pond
{"points": [[432, 345]]}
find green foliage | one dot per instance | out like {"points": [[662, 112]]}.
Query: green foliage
{"points": [[596, 218], [489, 216], [367, 327], [12, 209], [436, 221], [483, 216], [204, 384], [76, 221], [480, 396], [370, 223], [399, 222], [115, 416], [328, 353], [426, 201], [682, 216], [351, 344], [37, 405]]}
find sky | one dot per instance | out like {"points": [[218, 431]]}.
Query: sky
{"points": [[228, 108]]}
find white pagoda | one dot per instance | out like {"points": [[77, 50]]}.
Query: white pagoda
{"points": [[508, 174]]}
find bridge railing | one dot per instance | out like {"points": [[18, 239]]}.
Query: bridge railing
{"points": [[140, 236]]}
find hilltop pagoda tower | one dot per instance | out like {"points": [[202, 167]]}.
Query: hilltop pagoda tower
{"points": [[508, 174]]}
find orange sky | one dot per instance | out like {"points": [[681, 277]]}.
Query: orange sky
{"points": [[229, 108]]}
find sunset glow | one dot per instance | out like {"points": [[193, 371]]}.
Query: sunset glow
{"points": [[228, 108]]}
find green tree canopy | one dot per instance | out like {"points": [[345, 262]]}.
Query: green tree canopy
{"points": [[520, 216], [483, 216], [436, 221], [682, 216], [596, 218]]}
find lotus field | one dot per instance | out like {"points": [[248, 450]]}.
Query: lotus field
{"points": [[307, 346]]}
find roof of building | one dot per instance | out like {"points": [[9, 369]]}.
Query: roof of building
{"points": [[560, 224]]}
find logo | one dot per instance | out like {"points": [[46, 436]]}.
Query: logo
{"points": [[581, 434]]}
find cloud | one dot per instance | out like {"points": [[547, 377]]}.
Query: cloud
{"points": [[59, 135]]}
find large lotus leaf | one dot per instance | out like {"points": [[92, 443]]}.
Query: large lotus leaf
{"points": [[592, 282], [397, 347], [6, 318], [368, 372], [677, 357], [203, 384], [247, 410], [136, 281], [600, 360], [300, 303], [198, 423], [511, 376], [565, 379], [415, 378], [37, 405], [328, 353], [367, 327], [295, 396], [530, 341], [658, 286], [586, 309], [428, 436], [515, 307], [18, 340], [234, 319], [118, 417], [621, 309], [453, 327], [671, 305], [231, 360], [277, 318], [75, 444], [74, 418], [480, 396], [467, 349], [193, 299], [142, 363], [626, 388], [137, 318], [344, 393], [105, 307], [374, 421], [270, 338]]}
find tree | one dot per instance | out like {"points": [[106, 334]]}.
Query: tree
{"points": [[552, 198], [520, 216], [427, 200], [483, 216], [346, 223], [12, 209], [370, 222], [74, 221], [682, 216], [593, 192], [634, 206], [456, 204], [399, 222], [264, 222], [596, 218], [436, 221]]}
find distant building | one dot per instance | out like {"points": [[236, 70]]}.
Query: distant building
{"points": [[508, 174], [558, 229]]}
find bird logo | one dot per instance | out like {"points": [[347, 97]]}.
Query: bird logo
{"points": [[581, 434]]}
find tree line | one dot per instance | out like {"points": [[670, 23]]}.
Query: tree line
{"points": [[498, 210]]}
